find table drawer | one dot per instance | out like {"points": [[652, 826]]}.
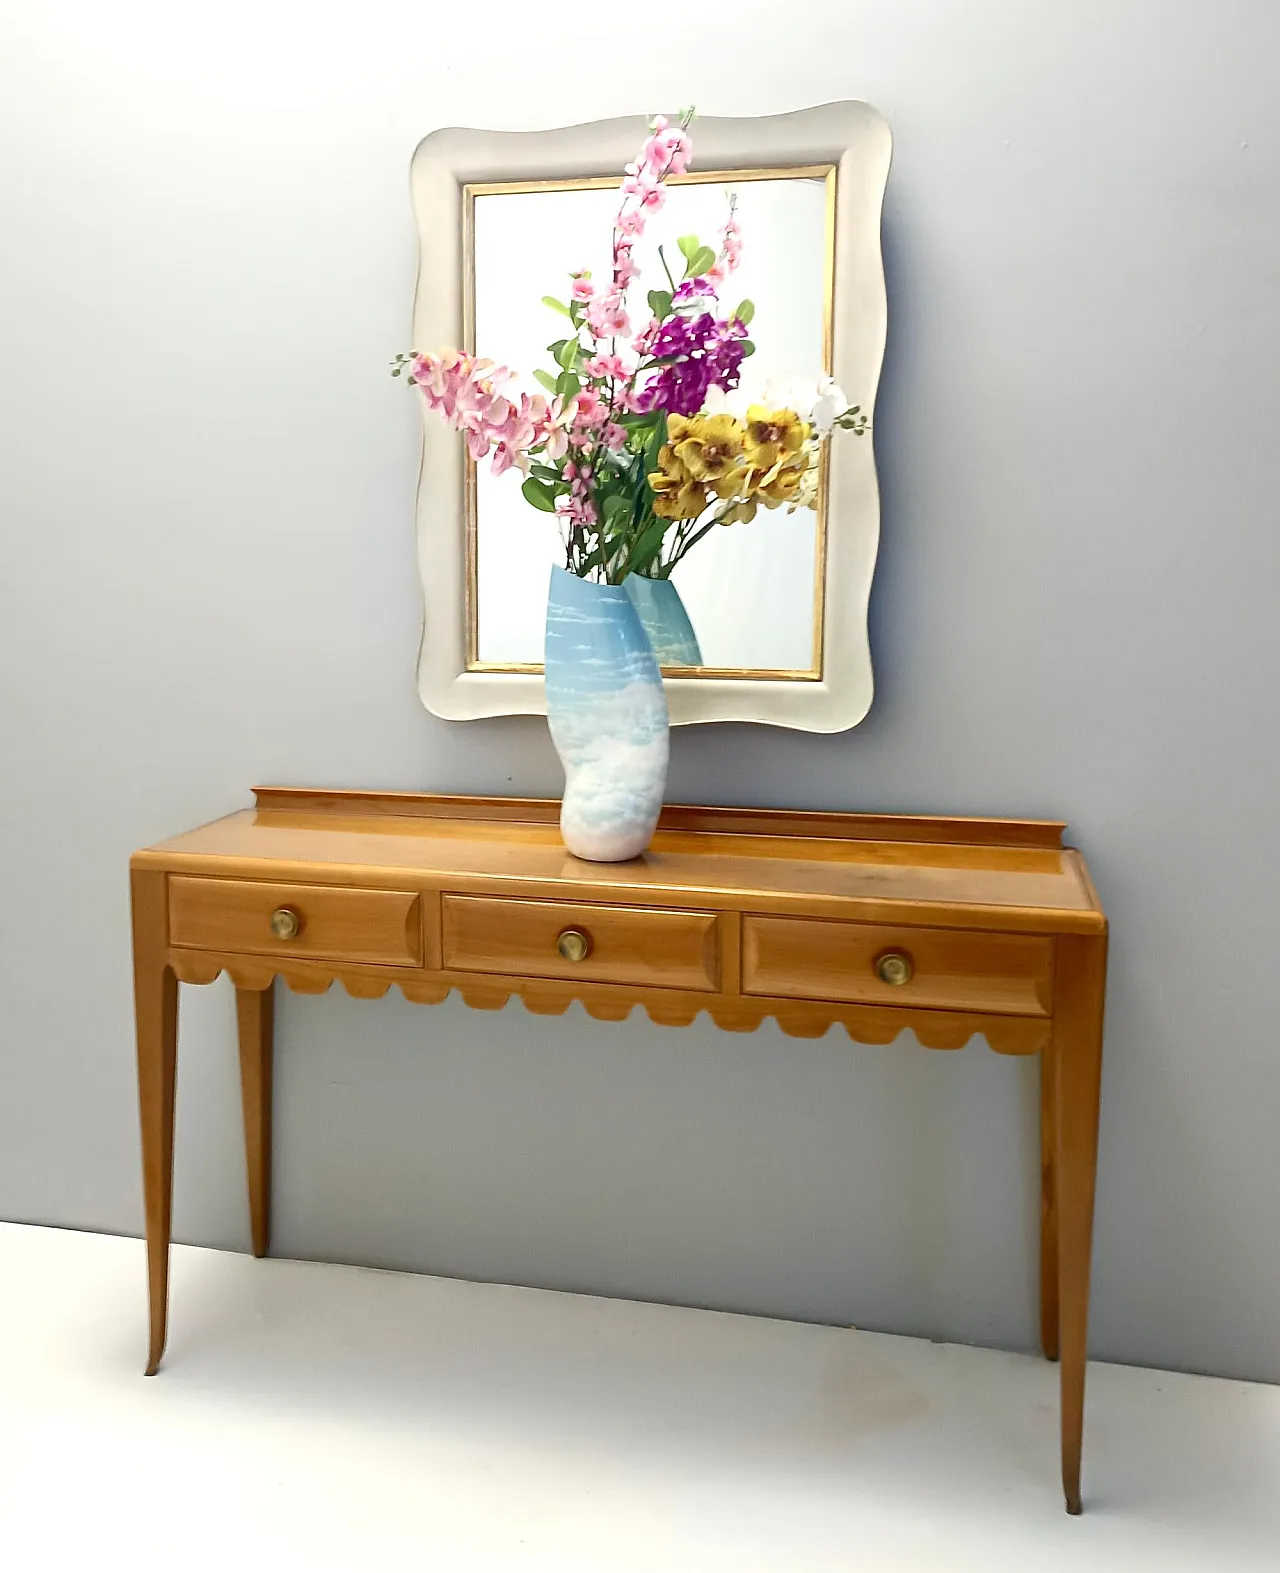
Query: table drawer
{"points": [[333, 923], [950, 969], [673, 950]]}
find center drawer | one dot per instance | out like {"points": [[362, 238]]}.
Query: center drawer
{"points": [[549, 939]]}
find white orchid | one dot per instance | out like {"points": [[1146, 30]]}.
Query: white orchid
{"points": [[829, 406], [818, 400], [718, 402]]}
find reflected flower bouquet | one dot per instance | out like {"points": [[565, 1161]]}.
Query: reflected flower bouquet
{"points": [[637, 441]]}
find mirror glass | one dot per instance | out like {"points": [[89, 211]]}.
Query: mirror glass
{"points": [[752, 591]]}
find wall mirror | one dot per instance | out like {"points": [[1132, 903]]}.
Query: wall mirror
{"points": [[778, 605]]}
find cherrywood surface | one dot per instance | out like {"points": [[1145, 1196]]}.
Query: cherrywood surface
{"points": [[255, 1015], [1048, 1205], [676, 816], [745, 915], [959, 883], [155, 988], [1077, 1061], [663, 949], [955, 970]]}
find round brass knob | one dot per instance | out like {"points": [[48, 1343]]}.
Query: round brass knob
{"points": [[574, 945], [285, 923], [895, 968]]}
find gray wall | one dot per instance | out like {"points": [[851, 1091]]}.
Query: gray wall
{"points": [[208, 581]]}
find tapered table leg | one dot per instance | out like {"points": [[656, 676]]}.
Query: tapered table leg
{"points": [[155, 991], [1048, 1207], [254, 1018], [1077, 1049]]}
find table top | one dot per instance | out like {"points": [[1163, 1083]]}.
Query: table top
{"points": [[999, 874]]}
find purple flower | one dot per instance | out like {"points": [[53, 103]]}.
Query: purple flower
{"points": [[693, 289], [681, 336], [725, 354], [679, 388], [699, 352]]}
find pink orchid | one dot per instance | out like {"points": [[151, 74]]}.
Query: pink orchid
{"points": [[583, 289], [730, 241], [626, 401], [515, 435], [631, 221], [444, 379], [643, 341], [614, 436], [607, 317], [667, 149], [606, 366], [552, 422], [639, 181], [624, 269], [590, 411]]}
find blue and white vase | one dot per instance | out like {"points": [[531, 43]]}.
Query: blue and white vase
{"points": [[608, 718], [663, 617]]}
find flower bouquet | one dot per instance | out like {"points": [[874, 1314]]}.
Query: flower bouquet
{"points": [[639, 445]]}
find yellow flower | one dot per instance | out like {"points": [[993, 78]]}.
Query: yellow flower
{"points": [[781, 484], [773, 436], [740, 513], [710, 448], [676, 494]]}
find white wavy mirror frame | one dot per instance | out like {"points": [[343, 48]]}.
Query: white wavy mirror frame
{"points": [[814, 184]]}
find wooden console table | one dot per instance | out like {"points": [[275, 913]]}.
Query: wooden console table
{"points": [[944, 927]]}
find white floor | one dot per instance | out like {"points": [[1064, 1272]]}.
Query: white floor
{"points": [[312, 1417]]}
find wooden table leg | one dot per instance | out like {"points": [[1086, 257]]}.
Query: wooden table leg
{"points": [[1048, 1206], [155, 993], [1077, 1048], [254, 1017]]}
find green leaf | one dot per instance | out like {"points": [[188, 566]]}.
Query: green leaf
{"points": [[567, 353], [648, 546], [689, 245], [541, 496], [745, 312], [546, 379], [556, 305], [544, 472], [554, 349], [567, 385], [656, 441], [699, 262], [616, 508], [747, 347], [660, 302]]}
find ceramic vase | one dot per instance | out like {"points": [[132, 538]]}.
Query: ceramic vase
{"points": [[608, 718], [662, 615]]}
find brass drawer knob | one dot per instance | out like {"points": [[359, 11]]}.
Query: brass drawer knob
{"points": [[895, 968], [574, 945], [285, 923]]}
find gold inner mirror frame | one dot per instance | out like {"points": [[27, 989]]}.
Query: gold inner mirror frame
{"points": [[823, 172]]}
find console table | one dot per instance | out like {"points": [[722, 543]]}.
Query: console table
{"points": [[948, 928]]}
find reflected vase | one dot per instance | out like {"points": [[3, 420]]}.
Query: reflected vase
{"points": [[608, 718], [664, 618]]}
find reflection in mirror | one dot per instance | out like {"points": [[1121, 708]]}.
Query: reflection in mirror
{"points": [[748, 599]]}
